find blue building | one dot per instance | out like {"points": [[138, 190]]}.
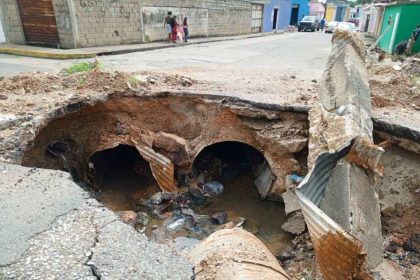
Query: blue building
{"points": [[280, 13], [299, 9]]}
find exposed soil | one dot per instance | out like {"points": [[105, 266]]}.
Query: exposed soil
{"points": [[399, 193], [396, 84]]}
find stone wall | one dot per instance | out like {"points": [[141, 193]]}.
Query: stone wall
{"points": [[12, 26], [107, 22]]}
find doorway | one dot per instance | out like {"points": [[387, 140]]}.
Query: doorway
{"points": [[367, 23], [38, 22], [295, 13], [276, 11]]}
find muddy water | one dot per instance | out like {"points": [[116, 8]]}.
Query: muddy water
{"points": [[240, 199]]}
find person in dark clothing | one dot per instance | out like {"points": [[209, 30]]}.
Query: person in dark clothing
{"points": [[416, 33], [322, 24], [401, 47], [185, 27], [413, 39]]}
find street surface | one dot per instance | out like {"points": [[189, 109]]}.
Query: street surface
{"points": [[300, 54]]}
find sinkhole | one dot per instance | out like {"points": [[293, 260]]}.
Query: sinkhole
{"points": [[225, 163]]}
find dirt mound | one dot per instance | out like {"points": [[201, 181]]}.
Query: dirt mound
{"points": [[41, 83], [396, 85]]}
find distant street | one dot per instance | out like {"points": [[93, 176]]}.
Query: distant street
{"points": [[300, 54]]}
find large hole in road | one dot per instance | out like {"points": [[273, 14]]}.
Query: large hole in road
{"points": [[226, 163]]}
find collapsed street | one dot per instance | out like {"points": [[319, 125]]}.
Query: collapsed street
{"points": [[122, 172]]}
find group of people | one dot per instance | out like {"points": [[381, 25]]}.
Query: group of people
{"points": [[174, 29]]}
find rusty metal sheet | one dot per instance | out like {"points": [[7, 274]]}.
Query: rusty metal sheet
{"points": [[367, 155], [234, 254], [163, 169], [38, 21]]}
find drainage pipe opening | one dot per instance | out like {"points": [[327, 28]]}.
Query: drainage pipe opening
{"points": [[120, 177]]}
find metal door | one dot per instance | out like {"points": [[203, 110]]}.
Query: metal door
{"points": [[38, 21], [257, 16]]}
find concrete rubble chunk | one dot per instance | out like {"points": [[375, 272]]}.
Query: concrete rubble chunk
{"points": [[291, 201], [295, 223], [388, 270], [7, 121]]}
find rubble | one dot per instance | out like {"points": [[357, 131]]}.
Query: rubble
{"points": [[295, 223]]}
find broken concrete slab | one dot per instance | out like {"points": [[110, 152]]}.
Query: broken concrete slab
{"points": [[93, 244], [291, 201], [351, 201], [30, 200], [342, 117], [53, 230], [345, 80]]}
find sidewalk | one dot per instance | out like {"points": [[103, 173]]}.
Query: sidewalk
{"points": [[51, 53]]}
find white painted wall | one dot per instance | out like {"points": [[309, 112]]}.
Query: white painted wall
{"points": [[2, 37]]}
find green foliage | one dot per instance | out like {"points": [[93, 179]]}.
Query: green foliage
{"points": [[83, 66]]}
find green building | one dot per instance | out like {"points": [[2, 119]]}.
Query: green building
{"points": [[399, 21]]}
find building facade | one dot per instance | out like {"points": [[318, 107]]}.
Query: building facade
{"points": [[371, 19], [317, 9], [278, 14], [399, 21], [300, 8], [87, 23]]}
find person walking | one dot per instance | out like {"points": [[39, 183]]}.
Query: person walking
{"points": [[167, 25], [185, 27], [322, 24], [174, 29]]}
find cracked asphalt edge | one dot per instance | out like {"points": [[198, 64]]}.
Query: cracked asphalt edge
{"points": [[87, 242]]}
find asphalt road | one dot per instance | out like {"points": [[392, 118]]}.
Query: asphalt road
{"points": [[301, 54]]}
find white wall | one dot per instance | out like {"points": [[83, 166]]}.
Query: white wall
{"points": [[2, 37]]}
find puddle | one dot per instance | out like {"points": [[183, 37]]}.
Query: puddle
{"points": [[125, 184], [240, 199]]}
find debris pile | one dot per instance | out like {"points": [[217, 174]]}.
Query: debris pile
{"points": [[395, 84]]}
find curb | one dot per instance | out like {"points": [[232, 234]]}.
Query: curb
{"points": [[40, 54], [64, 56]]}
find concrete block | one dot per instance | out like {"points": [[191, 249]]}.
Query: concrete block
{"points": [[350, 200]]}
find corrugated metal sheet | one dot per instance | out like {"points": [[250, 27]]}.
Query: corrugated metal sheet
{"points": [[263, 178], [38, 21], [163, 169]]}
